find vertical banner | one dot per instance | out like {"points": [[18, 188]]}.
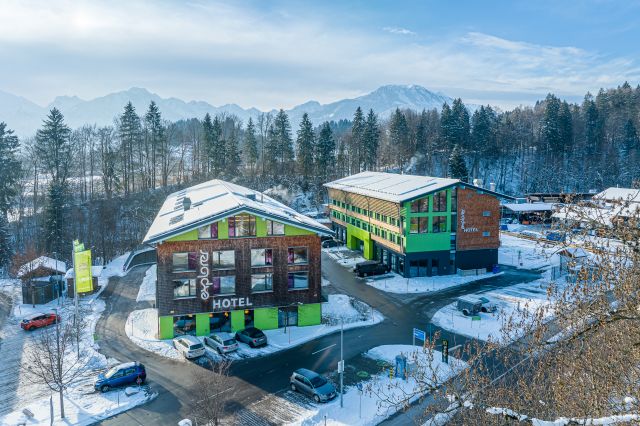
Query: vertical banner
{"points": [[82, 271]]}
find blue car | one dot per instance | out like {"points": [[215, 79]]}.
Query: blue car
{"points": [[121, 375]]}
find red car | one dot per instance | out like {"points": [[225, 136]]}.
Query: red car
{"points": [[38, 320]]}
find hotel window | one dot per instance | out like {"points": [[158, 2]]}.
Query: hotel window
{"points": [[298, 280], [275, 228], [440, 201], [184, 262], [261, 257], [297, 256], [454, 200], [420, 206], [419, 225], [486, 234], [242, 225], [439, 224], [486, 213], [223, 285], [261, 282], [209, 232], [185, 324], [184, 288], [223, 259]]}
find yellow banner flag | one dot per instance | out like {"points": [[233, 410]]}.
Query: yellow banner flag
{"points": [[82, 271]]}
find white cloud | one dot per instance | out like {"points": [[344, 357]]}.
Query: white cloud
{"points": [[398, 30]]}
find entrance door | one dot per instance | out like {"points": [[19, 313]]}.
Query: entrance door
{"points": [[248, 318]]}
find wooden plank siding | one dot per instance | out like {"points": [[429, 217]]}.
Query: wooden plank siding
{"points": [[372, 220], [384, 207]]}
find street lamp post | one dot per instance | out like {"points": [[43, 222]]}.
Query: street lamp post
{"points": [[341, 360]]}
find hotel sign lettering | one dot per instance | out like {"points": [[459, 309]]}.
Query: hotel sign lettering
{"points": [[463, 222], [231, 302], [203, 274]]}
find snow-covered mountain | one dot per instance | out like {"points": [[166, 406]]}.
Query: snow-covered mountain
{"points": [[25, 116]]}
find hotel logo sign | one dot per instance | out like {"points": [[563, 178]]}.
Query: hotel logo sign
{"points": [[463, 221], [203, 274], [231, 302]]}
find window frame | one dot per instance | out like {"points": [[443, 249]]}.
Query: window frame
{"points": [[191, 285], [214, 265], [191, 256], [291, 252], [291, 277], [267, 277]]}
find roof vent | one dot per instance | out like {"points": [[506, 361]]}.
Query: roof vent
{"points": [[186, 203]]}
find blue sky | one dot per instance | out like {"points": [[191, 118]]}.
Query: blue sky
{"points": [[282, 53]]}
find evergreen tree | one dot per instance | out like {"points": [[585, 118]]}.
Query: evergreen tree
{"points": [[565, 127], [53, 146], [216, 148], [550, 126], [399, 137], [447, 136], [207, 133], [630, 141], [421, 133], [457, 165], [10, 168], [251, 146], [6, 247], [130, 132], [232, 160], [157, 150], [592, 124], [356, 142], [371, 141], [271, 153], [342, 161], [325, 154], [306, 142], [460, 127], [284, 148], [56, 218]]}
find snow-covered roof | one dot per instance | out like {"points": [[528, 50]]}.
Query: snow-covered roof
{"points": [[619, 194], [573, 252], [96, 271], [216, 199], [395, 187], [44, 262], [529, 207], [585, 214]]}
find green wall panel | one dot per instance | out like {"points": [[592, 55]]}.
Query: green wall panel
{"points": [[237, 320], [293, 231], [427, 242], [165, 325], [261, 227], [354, 235], [310, 314], [187, 236], [202, 325], [265, 318], [223, 230]]}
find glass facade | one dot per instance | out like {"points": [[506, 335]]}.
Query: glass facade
{"points": [[242, 225]]}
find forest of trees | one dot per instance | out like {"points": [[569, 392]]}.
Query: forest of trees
{"points": [[104, 185]]}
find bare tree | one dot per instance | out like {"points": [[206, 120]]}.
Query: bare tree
{"points": [[214, 388]]}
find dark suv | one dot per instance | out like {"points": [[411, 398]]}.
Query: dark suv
{"points": [[121, 375], [39, 320], [371, 267], [251, 336], [313, 384]]}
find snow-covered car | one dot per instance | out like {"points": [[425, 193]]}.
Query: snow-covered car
{"points": [[222, 342], [468, 305], [487, 305], [189, 346]]}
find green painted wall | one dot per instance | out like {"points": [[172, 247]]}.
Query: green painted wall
{"points": [[429, 241], [187, 236], [310, 314], [202, 325], [261, 227], [354, 235], [265, 318], [223, 230], [291, 231], [165, 325], [237, 320]]}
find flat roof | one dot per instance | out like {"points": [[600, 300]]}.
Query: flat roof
{"points": [[529, 207], [395, 187]]}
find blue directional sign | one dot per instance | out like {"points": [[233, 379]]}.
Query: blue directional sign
{"points": [[419, 334]]}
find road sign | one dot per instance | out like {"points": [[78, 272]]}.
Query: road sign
{"points": [[445, 351], [419, 334], [341, 366], [476, 318]]}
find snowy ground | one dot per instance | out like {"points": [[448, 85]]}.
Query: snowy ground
{"points": [[527, 254], [394, 283], [368, 409], [344, 256], [142, 328], [17, 391], [147, 291]]}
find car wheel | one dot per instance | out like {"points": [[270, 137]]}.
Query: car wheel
{"points": [[139, 381], [293, 387], [316, 398], [104, 388], [219, 351], [483, 309], [465, 312]]}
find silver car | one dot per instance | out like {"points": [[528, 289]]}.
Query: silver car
{"points": [[312, 384], [189, 346], [221, 342]]}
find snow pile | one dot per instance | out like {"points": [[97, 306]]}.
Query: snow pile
{"points": [[147, 291], [115, 268], [341, 307], [372, 408], [142, 328], [344, 256], [394, 283]]}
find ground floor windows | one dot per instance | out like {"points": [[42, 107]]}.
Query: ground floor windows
{"points": [[184, 287], [249, 318], [288, 317], [185, 324], [298, 280], [261, 282], [224, 285], [220, 321]]}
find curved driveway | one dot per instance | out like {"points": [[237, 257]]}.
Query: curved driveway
{"points": [[256, 378]]}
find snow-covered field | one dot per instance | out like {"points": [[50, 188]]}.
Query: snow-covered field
{"points": [[394, 283], [142, 328], [527, 254], [373, 409], [344, 256], [147, 291]]}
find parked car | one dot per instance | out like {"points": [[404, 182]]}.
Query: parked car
{"points": [[252, 336], [326, 238], [469, 305], [371, 267], [221, 342], [487, 305], [189, 346], [312, 384], [121, 375], [39, 320], [330, 243]]}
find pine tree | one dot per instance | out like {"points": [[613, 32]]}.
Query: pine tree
{"points": [[565, 127], [356, 142], [130, 132], [371, 141], [457, 165], [207, 133], [217, 150], [10, 168], [56, 218], [53, 146], [325, 154], [399, 137], [271, 152], [284, 149], [6, 246], [158, 151], [232, 160], [630, 141], [550, 126], [306, 145], [251, 146]]}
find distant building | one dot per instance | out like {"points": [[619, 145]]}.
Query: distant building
{"points": [[606, 209], [230, 257], [42, 280], [417, 225]]}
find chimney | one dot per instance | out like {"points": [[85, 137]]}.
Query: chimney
{"points": [[186, 203], [492, 187], [477, 182]]}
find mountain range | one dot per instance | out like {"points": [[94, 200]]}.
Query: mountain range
{"points": [[25, 117]]}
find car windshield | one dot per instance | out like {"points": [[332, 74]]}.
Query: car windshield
{"points": [[229, 342], [255, 333], [196, 346], [111, 372], [318, 381]]}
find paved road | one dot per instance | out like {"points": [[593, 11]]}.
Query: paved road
{"points": [[260, 383]]}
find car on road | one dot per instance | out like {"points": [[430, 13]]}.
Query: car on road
{"points": [[121, 375], [39, 320], [189, 346], [223, 343], [312, 384], [487, 305], [252, 336], [330, 243], [469, 305], [371, 267]]}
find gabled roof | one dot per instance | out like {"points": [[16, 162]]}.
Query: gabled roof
{"points": [[42, 262], [619, 194], [215, 200], [397, 188]]}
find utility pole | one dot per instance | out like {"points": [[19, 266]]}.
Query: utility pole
{"points": [[341, 360]]}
